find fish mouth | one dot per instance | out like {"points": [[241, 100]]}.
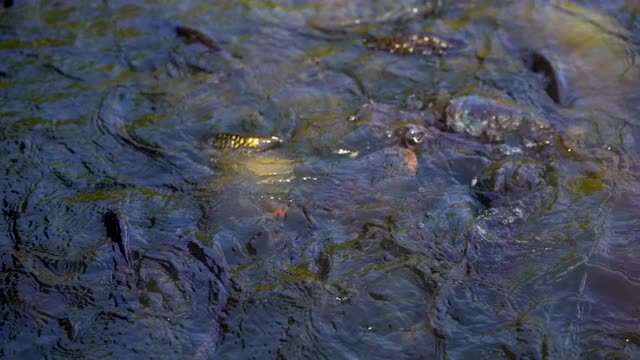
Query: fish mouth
{"points": [[412, 136]]}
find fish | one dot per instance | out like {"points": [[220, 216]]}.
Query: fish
{"points": [[117, 231], [192, 35], [228, 141], [409, 44], [586, 55], [557, 84], [247, 157]]}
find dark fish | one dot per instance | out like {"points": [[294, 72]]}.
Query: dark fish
{"points": [[557, 86], [117, 232], [8, 4], [323, 262], [68, 328], [192, 35], [247, 143], [410, 44], [207, 258]]}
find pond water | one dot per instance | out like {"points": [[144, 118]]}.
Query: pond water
{"points": [[126, 233]]}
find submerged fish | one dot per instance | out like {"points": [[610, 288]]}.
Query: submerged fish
{"points": [[227, 141], [193, 35], [482, 118], [586, 55], [408, 44], [117, 231], [247, 158]]}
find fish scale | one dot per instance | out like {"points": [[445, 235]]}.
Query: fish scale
{"points": [[230, 141]]}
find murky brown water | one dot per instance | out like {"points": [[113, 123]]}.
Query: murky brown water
{"points": [[456, 180]]}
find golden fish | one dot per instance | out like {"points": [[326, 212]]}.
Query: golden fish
{"points": [[228, 141], [239, 161], [407, 44]]}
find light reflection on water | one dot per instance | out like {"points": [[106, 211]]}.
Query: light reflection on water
{"points": [[341, 243]]}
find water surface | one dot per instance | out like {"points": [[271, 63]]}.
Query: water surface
{"points": [[330, 246]]}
